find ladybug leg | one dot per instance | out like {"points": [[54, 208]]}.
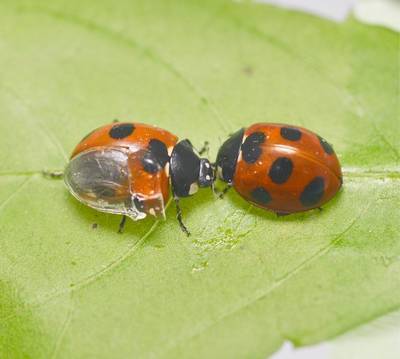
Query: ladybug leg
{"points": [[122, 224], [213, 188], [205, 148], [179, 216], [222, 194]]}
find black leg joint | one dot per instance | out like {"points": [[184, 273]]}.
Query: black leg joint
{"points": [[179, 216], [122, 224]]}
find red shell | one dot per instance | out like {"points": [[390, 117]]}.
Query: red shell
{"points": [[313, 166], [138, 139]]}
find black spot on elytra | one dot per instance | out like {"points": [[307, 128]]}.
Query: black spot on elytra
{"points": [[121, 130], [251, 149], [280, 170], [160, 151], [261, 195], [150, 164], [313, 192], [290, 133], [326, 146], [155, 157]]}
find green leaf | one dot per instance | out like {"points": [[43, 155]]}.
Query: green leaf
{"points": [[245, 281]]}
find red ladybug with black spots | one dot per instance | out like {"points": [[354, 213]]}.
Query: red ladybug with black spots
{"points": [[283, 168], [129, 168]]}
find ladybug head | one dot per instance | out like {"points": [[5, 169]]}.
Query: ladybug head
{"points": [[188, 170], [206, 174]]}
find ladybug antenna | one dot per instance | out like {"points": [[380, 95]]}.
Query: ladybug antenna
{"points": [[205, 149], [214, 178]]}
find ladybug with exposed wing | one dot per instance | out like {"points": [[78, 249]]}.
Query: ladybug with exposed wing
{"points": [[129, 168]]}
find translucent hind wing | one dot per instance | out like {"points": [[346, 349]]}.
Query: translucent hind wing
{"points": [[99, 178], [113, 180]]}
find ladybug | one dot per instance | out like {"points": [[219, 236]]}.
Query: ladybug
{"points": [[283, 168], [129, 168]]}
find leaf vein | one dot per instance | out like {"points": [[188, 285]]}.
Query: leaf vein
{"points": [[92, 277], [13, 194], [130, 42], [275, 285], [47, 133], [63, 330]]}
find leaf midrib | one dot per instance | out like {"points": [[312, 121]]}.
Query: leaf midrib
{"points": [[347, 172]]}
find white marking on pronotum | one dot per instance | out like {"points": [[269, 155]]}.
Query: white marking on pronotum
{"points": [[152, 211], [240, 149], [208, 177], [207, 165], [193, 188], [219, 172]]}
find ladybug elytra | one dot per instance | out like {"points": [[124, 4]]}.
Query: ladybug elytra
{"points": [[128, 169], [283, 168]]}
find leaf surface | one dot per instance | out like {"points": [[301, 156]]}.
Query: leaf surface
{"points": [[245, 281]]}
